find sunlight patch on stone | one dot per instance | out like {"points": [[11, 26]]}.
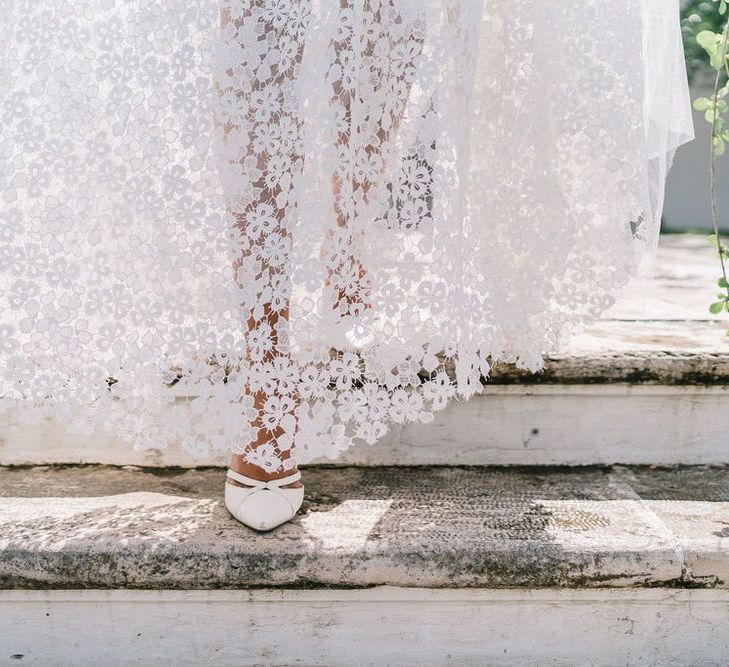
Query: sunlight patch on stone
{"points": [[347, 525], [54, 523], [592, 524]]}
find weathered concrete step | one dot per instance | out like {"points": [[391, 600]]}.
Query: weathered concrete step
{"points": [[661, 352], [372, 627], [648, 384], [631, 393], [615, 527], [550, 424]]}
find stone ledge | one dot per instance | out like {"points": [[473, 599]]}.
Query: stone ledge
{"points": [[659, 332], [635, 352], [546, 424], [384, 625], [647, 384], [102, 527]]}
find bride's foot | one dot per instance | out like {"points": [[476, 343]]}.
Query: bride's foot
{"points": [[262, 500]]}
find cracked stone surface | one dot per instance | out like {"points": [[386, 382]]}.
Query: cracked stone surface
{"points": [[108, 527]]}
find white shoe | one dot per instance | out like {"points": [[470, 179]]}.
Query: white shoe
{"points": [[263, 505]]}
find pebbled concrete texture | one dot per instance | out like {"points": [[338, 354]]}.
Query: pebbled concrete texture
{"points": [[107, 527]]}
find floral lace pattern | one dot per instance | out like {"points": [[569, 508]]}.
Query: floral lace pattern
{"points": [[278, 227]]}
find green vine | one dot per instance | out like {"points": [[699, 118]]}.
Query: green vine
{"points": [[699, 15], [714, 42]]}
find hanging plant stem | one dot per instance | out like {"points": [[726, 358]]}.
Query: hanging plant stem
{"points": [[717, 139], [715, 44]]}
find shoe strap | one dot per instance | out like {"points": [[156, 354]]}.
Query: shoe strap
{"points": [[271, 485], [260, 484]]}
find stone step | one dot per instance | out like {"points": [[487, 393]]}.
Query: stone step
{"points": [[648, 384], [383, 566], [376, 627], [647, 393], [104, 527], [384, 625]]}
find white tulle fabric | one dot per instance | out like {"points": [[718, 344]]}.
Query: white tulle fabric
{"points": [[312, 219]]}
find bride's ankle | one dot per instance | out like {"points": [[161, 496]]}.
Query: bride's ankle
{"points": [[239, 464]]}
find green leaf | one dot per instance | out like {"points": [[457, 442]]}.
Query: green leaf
{"points": [[702, 103], [717, 307], [719, 146], [711, 42], [708, 40], [722, 282]]}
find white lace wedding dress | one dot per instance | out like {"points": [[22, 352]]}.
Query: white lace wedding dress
{"points": [[316, 218]]}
